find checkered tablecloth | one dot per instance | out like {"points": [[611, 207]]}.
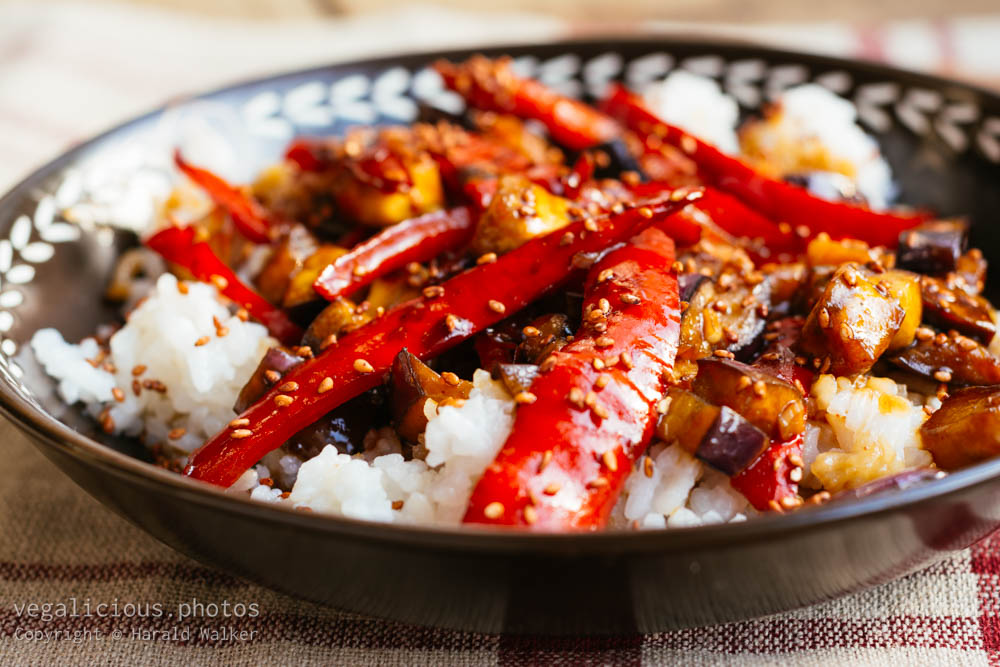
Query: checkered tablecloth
{"points": [[68, 71]]}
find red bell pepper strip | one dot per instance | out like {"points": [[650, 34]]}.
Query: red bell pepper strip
{"points": [[248, 215], [415, 240], [775, 199], [491, 85], [426, 326], [766, 482], [594, 410], [180, 245], [764, 239]]}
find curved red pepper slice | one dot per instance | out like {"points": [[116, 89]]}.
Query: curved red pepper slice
{"points": [[777, 200], [567, 458], [180, 245], [766, 481], [492, 86], [427, 326], [415, 240], [248, 215]]}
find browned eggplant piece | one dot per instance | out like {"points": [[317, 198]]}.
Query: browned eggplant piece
{"points": [[950, 357], [771, 404], [688, 284], [518, 212], [970, 272], [339, 317], [416, 391], [897, 482], [548, 333], [277, 361], [285, 261], [732, 443], [300, 287], [824, 251], [932, 248], [712, 258], [779, 355], [815, 284], [726, 314], [852, 324], [344, 427], [687, 419], [517, 377], [496, 345], [905, 286], [956, 309], [965, 429], [785, 285]]}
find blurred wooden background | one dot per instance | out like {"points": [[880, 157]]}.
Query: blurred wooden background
{"points": [[855, 11]]}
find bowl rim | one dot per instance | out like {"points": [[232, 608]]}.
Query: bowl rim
{"points": [[48, 430]]}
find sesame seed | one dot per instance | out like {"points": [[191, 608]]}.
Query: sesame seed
{"points": [[202, 341], [289, 387], [604, 341], [530, 332], [182, 287], [362, 366], [646, 212], [724, 354], [241, 433], [967, 344], [823, 317], [612, 361], [487, 258], [118, 394], [283, 400], [647, 466], [547, 365], [595, 315], [524, 397], [677, 267], [846, 332], [433, 291], [609, 460], [590, 400], [450, 378], [328, 341], [414, 267], [176, 433], [626, 359], [546, 459], [494, 510], [598, 364], [942, 375], [940, 339], [602, 380], [575, 396], [136, 387], [266, 481], [239, 422], [325, 385], [598, 483], [600, 411], [630, 299], [590, 225], [359, 271], [496, 306], [605, 275], [795, 474], [789, 502], [759, 389], [743, 383], [452, 322], [397, 505], [242, 315], [530, 515], [774, 506], [272, 375], [552, 489], [663, 405], [796, 460], [139, 370], [566, 239], [604, 305], [220, 282]]}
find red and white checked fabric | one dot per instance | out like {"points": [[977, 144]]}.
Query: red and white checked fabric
{"points": [[69, 71]]}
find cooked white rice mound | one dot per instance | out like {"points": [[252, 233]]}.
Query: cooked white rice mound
{"points": [[202, 382], [875, 431], [460, 440], [819, 129], [697, 105], [680, 492]]}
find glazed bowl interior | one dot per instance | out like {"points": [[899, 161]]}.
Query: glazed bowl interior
{"points": [[57, 251]]}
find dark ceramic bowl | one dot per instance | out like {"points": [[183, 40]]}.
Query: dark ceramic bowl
{"points": [[942, 139]]}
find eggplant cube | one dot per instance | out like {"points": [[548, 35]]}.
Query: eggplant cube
{"points": [[931, 248], [732, 443], [853, 322], [965, 429]]}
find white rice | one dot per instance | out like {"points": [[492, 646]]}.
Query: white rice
{"points": [[697, 105], [874, 424], [811, 113], [202, 381]]}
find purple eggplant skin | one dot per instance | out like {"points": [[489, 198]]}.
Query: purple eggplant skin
{"points": [[933, 248], [688, 283], [278, 359], [732, 443], [344, 427], [897, 482]]}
